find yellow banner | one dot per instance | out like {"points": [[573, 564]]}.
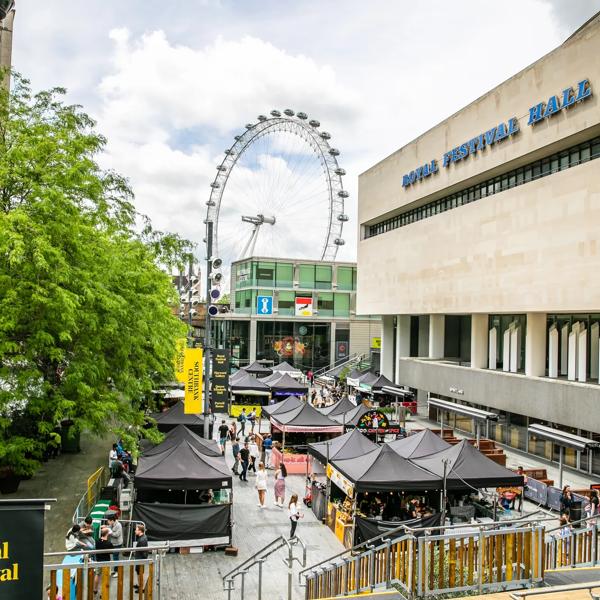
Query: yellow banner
{"points": [[193, 381], [180, 346]]}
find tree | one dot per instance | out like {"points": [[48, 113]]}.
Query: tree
{"points": [[86, 328]]}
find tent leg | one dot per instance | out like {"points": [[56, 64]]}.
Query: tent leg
{"points": [[283, 444]]}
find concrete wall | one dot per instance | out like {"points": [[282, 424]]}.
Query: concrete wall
{"points": [[533, 248], [361, 333], [567, 403]]}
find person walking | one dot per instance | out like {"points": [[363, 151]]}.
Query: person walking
{"points": [[268, 447], [242, 418], [566, 501], [244, 459], [279, 488], [254, 454], [519, 497], [294, 514], [102, 544], [112, 456], [115, 536], [232, 430], [223, 434], [261, 484], [252, 420], [235, 450], [141, 542]]}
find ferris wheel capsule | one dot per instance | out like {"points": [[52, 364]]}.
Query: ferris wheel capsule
{"points": [[302, 115], [334, 152], [339, 242], [215, 185], [314, 123], [343, 218], [325, 135], [262, 118], [249, 125], [222, 168], [229, 152], [289, 112], [275, 113], [339, 171], [343, 194]]}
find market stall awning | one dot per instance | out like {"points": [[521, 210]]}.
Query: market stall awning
{"points": [[182, 467], [287, 386], [383, 470], [466, 466], [352, 379], [165, 421], [379, 383], [249, 385], [351, 444], [365, 381], [337, 408], [287, 404], [257, 369], [182, 433], [237, 375], [284, 367], [352, 417], [275, 376], [420, 444], [305, 418]]}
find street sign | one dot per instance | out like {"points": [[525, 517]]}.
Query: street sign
{"points": [[341, 350], [264, 305], [219, 380]]}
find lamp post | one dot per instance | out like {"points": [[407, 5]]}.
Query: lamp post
{"points": [[207, 325]]}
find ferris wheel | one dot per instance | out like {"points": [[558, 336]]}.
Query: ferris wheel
{"points": [[278, 192]]}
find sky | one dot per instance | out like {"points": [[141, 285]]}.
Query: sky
{"points": [[171, 83]]}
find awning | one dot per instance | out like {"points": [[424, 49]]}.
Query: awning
{"points": [[351, 444], [305, 418], [562, 438], [419, 444]]}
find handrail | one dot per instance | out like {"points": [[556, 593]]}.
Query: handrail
{"points": [[569, 587], [151, 549], [412, 530], [251, 558], [584, 520], [356, 357]]}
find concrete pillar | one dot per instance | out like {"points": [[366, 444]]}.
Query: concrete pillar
{"points": [[479, 341], [252, 341], [535, 344], [6, 34], [436, 336], [332, 344], [387, 346], [423, 345], [402, 343]]}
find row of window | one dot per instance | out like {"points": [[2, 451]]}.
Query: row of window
{"points": [[281, 275], [328, 304], [535, 170]]}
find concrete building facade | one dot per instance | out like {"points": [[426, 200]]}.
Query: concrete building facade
{"points": [[479, 246]]}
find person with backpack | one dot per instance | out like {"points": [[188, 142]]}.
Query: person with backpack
{"points": [[242, 421], [223, 435], [235, 450], [252, 420]]}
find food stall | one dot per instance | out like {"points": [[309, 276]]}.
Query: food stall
{"points": [[257, 369], [246, 391], [423, 443], [292, 430], [338, 408], [286, 385], [284, 367], [169, 419]]}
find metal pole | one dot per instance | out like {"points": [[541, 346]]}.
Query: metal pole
{"points": [[442, 424], [561, 451], [478, 428], [209, 249], [443, 507], [327, 484], [290, 572]]}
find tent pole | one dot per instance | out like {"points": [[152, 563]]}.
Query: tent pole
{"points": [[478, 428], [561, 451], [442, 424], [283, 443], [327, 483]]}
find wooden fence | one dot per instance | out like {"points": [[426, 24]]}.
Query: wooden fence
{"points": [[482, 560], [572, 548]]}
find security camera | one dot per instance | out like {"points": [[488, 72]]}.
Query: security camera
{"points": [[194, 280], [216, 277], [195, 302], [216, 263], [193, 312]]}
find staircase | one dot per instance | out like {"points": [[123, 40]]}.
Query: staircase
{"points": [[355, 360]]}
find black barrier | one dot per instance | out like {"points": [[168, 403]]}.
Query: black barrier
{"points": [[367, 529], [318, 501], [536, 491], [22, 549]]}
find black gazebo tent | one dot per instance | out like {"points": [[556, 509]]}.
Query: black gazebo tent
{"points": [[164, 483], [290, 403], [420, 444], [284, 367], [247, 384], [305, 418], [384, 470], [352, 417], [165, 421], [380, 382], [349, 445], [287, 386], [337, 408], [257, 369], [182, 433], [466, 467]]}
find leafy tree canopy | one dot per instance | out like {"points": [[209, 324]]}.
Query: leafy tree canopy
{"points": [[86, 327]]}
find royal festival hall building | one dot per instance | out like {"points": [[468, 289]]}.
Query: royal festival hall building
{"points": [[299, 311], [480, 248]]}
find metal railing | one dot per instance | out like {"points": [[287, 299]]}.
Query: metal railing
{"points": [[573, 547], [258, 558], [83, 574], [95, 483], [433, 561], [350, 360]]}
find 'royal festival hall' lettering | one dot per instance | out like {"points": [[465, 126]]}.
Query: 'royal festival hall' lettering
{"points": [[502, 131]]}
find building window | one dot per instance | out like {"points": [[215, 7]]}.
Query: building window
{"points": [[307, 276], [285, 275], [265, 273], [540, 168], [286, 303], [344, 278], [341, 305], [325, 304], [323, 277]]}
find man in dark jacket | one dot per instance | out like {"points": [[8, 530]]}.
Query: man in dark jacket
{"points": [[245, 460], [142, 542]]}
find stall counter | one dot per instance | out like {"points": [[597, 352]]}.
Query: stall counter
{"points": [[296, 464]]}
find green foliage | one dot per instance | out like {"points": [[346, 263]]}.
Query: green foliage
{"points": [[224, 299], [344, 373], [86, 327]]}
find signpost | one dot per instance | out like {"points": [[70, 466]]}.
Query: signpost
{"points": [[219, 380], [193, 381], [22, 549]]}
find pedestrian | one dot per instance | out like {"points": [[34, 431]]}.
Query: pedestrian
{"points": [[294, 514], [112, 455], [252, 420], [232, 431], [566, 501], [141, 542], [310, 376], [244, 459], [115, 536], [519, 496], [242, 418], [235, 450], [102, 544], [223, 433], [254, 454], [268, 447], [279, 488], [86, 533], [73, 541], [261, 484]]}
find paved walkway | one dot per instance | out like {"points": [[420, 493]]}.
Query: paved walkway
{"points": [[194, 576]]}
